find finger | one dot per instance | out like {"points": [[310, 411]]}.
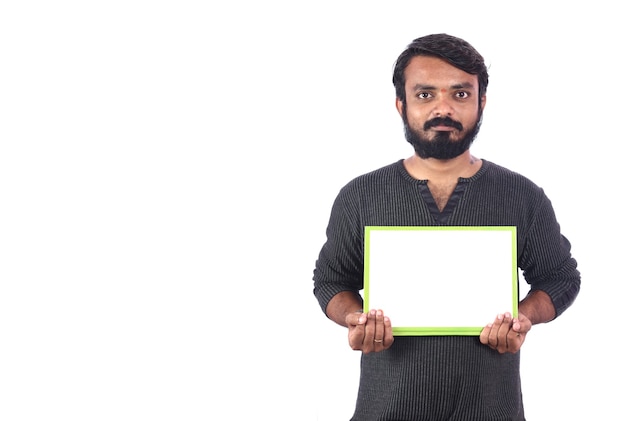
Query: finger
{"points": [[356, 330], [356, 335], [505, 327], [484, 334], [370, 326], [519, 332], [356, 318], [521, 324], [369, 331], [388, 337], [505, 337], [495, 329], [516, 325], [379, 331], [514, 341]]}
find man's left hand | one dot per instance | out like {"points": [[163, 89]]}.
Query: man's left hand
{"points": [[506, 333]]}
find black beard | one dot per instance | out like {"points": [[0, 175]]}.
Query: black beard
{"points": [[440, 147]]}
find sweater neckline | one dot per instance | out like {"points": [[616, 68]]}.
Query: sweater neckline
{"points": [[479, 173]]}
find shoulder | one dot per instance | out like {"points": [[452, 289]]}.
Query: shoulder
{"points": [[511, 186], [374, 184], [498, 174], [379, 176]]}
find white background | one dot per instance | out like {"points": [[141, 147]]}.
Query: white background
{"points": [[167, 170]]}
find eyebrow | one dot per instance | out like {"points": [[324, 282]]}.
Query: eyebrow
{"points": [[464, 85]]}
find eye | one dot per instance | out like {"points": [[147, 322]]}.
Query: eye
{"points": [[462, 94], [424, 95]]}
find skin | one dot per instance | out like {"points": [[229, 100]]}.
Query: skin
{"points": [[435, 88]]}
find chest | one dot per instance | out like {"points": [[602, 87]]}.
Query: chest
{"points": [[441, 193]]}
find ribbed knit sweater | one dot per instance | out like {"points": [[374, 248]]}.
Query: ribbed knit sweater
{"points": [[448, 378]]}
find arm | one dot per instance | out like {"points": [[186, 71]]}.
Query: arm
{"points": [[338, 276], [342, 305], [552, 273], [537, 307]]}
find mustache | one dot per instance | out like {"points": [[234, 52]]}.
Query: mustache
{"points": [[443, 121]]}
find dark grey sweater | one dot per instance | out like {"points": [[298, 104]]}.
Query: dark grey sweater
{"points": [[444, 377]]}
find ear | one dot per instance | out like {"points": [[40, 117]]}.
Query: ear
{"points": [[399, 106], [483, 102]]}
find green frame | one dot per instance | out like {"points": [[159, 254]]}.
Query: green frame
{"points": [[442, 329]]}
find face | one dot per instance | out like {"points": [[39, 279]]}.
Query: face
{"points": [[442, 112]]}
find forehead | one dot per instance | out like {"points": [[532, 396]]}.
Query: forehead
{"points": [[435, 72]]}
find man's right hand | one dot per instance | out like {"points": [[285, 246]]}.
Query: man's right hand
{"points": [[369, 332]]}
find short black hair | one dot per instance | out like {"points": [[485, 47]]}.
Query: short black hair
{"points": [[455, 51]]}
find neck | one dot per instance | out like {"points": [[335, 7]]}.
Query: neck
{"points": [[464, 165]]}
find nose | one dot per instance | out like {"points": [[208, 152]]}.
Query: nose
{"points": [[442, 107]]}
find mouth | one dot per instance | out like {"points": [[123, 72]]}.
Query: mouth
{"points": [[445, 124], [442, 128]]}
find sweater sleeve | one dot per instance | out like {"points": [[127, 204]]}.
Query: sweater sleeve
{"points": [[546, 259], [339, 266]]}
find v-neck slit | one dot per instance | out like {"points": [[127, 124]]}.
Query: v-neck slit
{"points": [[442, 217]]}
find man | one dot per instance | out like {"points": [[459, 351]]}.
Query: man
{"points": [[441, 83]]}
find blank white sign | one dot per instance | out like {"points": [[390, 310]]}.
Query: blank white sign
{"points": [[440, 280]]}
